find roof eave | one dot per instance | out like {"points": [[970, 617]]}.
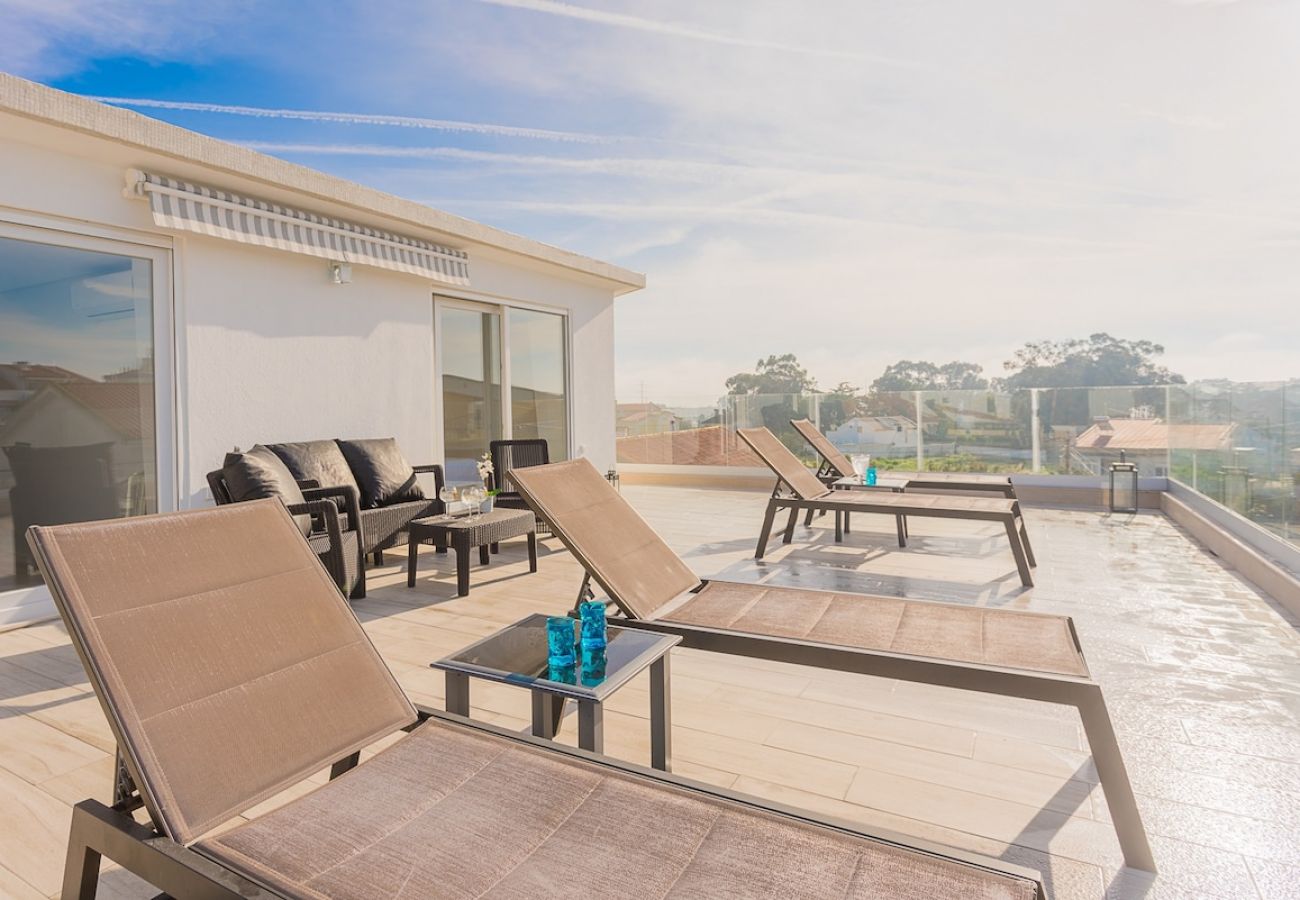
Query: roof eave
{"points": [[39, 102]]}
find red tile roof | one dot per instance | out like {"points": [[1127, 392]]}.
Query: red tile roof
{"points": [[1154, 434], [118, 405]]}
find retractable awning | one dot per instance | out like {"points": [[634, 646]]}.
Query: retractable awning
{"points": [[192, 207]]}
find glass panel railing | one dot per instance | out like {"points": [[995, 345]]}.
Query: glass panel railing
{"points": [[1237, 443]]}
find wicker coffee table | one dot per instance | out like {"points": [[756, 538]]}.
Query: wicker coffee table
{"points": [[483, 531]]}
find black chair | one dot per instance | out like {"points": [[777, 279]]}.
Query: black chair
{"points": [[336, 532], [519, 454]]}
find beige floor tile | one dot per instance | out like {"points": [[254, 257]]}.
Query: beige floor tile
{"points": [[33, 830]]}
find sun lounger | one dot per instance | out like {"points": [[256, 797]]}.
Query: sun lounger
{"points": [[804, 491], [1017, 654], [232, 674], [835, 466]]}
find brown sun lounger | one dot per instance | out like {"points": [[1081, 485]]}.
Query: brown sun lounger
{"points": [[234, 673], [836, 466], [798, 489], [1034, 656]]}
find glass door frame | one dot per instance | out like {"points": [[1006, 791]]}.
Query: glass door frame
{"points": [[30, 604], [501, 309]]}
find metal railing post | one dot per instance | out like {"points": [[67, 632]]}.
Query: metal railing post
{"points": [[920, 439], [1037, 428]]}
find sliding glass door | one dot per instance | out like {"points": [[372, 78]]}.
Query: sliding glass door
{"points": [[539, 399], [472, 406], [504, 373], [79, 410]]}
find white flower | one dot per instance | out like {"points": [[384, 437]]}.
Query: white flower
{"points": [[484, 464]]}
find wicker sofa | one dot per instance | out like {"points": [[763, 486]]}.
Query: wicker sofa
{"points": [[379, 518]]}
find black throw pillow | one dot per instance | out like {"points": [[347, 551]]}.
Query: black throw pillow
{"points": [[319, 461], [257, 474], [383, 475]]}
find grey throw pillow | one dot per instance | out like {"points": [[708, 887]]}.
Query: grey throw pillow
{"points": [[319, 461], [257, 474], [382, 472]]}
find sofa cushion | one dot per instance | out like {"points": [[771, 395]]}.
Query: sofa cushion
{"points": [[383, 475], [257, 474], [319, 461]]}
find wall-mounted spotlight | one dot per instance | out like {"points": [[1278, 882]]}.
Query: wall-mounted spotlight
{"points": [[340, 273]]}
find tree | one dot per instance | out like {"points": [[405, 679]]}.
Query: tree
{"points": [[1095, 361], [774, 375], [906, 375], [840, 404]]}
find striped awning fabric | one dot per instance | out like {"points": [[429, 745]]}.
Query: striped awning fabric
{"points": [[193, 207]]}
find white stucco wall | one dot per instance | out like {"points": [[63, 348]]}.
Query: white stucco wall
{"points": [[268, 348]]}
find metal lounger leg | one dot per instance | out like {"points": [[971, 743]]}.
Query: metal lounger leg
{"points": [[81, 868], [99, 831], [1024, 539], [1018, 551], [766, 531], [839, 526], [1114, 780], [807, 520], [902, 531], [789, 525]]}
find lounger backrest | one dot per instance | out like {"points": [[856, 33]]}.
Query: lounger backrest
{"points": [[828, 451], [624, 555], [785, 464], [227, 663]]}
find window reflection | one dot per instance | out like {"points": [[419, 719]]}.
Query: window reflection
{"points": [[470, 344], [76, 393], [538, 402]]}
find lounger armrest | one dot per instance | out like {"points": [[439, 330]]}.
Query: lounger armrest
{"points": [[306, 483]]}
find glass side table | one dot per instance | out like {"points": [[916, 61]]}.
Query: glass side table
{"points": [[517, 655]]}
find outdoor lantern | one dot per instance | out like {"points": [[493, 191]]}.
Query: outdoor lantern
{"points": [[1123, 486]]}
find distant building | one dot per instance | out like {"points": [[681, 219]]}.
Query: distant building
{"points": [[1148, 441], [865, 432], [644, 418], [20, 380], [87, 412]]}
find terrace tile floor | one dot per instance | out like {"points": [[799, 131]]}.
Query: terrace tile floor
{"points": [[1201, 672]]}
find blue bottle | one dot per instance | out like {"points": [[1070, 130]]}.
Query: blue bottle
{"points": [[871, 475]]}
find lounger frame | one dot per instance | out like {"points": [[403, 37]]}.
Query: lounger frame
{"points": [[830, 472], [1083, 693], [783, 497], [101, 831], [814, 496]]}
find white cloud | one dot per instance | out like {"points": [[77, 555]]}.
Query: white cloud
{"points": [[347, 118], [680, 30], [1034, 170]]}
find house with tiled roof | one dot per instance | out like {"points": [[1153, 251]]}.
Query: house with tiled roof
{"points": [[1149, 441]]}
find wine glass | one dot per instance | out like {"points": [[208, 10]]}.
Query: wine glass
{"points": [[448, 496], [476, 497]]}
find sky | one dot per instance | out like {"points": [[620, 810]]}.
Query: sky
{"points": [[852, 181]]}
